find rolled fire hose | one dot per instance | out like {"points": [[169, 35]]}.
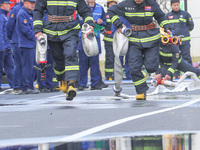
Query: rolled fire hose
{"points": [[90, 45], [120, 48]]}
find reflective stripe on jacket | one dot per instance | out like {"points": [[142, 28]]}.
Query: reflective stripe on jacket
{"points": [[62, 30], [142, 14], [182, 22]]}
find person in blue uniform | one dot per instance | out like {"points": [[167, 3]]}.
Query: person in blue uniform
{"points": [[6, 58], [108, 44], [13, 36], [86, 62], [27, 45], [143, 45], [124, 59], [170, 60], [62, 34]]}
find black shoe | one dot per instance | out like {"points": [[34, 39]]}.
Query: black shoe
{"points": [[1, 89], [81, 88], [96, 87], [103, 85], [52, 89], [17, 91], [44, 90], [31, 91]]}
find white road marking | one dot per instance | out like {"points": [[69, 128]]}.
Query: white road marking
{"points": [[79, 135]]}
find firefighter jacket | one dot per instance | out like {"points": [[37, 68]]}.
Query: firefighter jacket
{"points": [[26, 35], [170, 56], [61, 30], [140, 14], [108, 34], [4, 41], [182, 22], [11, 26]]}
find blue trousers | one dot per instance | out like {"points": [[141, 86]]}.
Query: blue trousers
{"points": [[85, 63], [7, 62], [18, 66], [28, 74], [48, 83], [183, 66]]}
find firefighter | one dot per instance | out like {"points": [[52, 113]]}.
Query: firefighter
{"points": [[27, 45], [182, 22], [109, 54], [6, 58], [62, 33], [143, 47], [170, 60], [13, 36], [86, 62]]}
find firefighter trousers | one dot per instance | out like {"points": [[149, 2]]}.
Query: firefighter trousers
{"points": [[139, 56], [64, 53], [183, 66]]}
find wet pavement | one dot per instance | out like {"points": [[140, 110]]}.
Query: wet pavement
{"points": [[99, 120]]}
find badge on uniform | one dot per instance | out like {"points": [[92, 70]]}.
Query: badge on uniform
{"points": [[147, 8], [170, 17], [12, 15], [177, 55], [190, 19], [107, 16], [25, 20]]}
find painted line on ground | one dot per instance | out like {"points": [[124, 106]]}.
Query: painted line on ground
{"points": [[79, 135], [85, 133]]}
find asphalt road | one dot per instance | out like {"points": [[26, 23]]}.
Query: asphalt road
{"points": [[48, 117]]}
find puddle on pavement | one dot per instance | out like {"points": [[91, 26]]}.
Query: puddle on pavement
{"points": [[188, 141]]}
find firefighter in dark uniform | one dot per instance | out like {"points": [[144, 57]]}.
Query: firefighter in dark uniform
{"points": [[143, 45], [108, 42], [170, 60], [182, 22], [62, 32]]}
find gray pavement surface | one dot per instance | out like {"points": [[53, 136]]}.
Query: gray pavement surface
{"points": [[95, 114]]}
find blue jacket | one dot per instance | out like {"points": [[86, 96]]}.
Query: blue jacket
{"points": [[26, 35], [11, 26], [98, 13], [182, 22], [4, 41], [140, 14]]}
